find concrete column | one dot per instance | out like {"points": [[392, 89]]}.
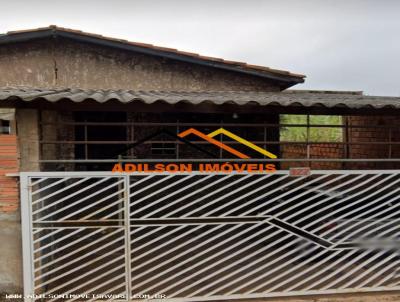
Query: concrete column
{"points": [[49, 132], [11, 253], [28, 139]]}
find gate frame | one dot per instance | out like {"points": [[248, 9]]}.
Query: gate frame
{"points": [[27, 235]]}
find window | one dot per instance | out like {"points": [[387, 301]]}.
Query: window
{"points": [[331, 129], [100, 131], [5, 127]]}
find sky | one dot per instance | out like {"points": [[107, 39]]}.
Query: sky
{"points": [[337, 44]]}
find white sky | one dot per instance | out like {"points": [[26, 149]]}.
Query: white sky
{"points": [[338, 44]]}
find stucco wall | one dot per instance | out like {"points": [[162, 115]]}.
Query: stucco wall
{"points": [[67, 63]]}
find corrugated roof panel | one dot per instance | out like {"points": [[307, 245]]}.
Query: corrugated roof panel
{"points": [[310, 99]]}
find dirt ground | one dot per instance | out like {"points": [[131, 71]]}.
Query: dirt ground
{"points": [[370, 297]]}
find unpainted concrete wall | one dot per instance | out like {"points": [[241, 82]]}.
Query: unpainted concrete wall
{"points": [[65, 63], [10, 253], [27, 121]]}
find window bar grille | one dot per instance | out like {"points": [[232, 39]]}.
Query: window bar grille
{"points": [[265, 138], [177, 142], [86, 139], [390, 143], [308, 139], [221, 140]]}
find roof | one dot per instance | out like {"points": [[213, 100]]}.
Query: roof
{"points": [[287, 78], [286, 99]]}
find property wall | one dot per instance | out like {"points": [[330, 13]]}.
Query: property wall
{"points": [[66, 63]]}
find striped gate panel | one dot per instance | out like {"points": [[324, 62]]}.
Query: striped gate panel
{"points": [[78, 237], [199, 236]]}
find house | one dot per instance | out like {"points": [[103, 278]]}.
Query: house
{"points": [[81, 102]]}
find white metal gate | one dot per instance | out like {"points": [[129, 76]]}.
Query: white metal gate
{"points": [[198, 236]]}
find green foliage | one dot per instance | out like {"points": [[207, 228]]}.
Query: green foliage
{"points": [[317, 134]]}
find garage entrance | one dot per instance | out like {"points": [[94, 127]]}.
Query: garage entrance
{"points": [[209, 236]]}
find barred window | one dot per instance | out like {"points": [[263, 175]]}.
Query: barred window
{"points": [[303, 128]]}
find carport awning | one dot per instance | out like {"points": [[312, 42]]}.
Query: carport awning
{"points": [[286, 99]]}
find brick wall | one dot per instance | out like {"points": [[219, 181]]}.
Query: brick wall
{"points": [[361, 147], [8, 164], [365, 136], [316, 151]]}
